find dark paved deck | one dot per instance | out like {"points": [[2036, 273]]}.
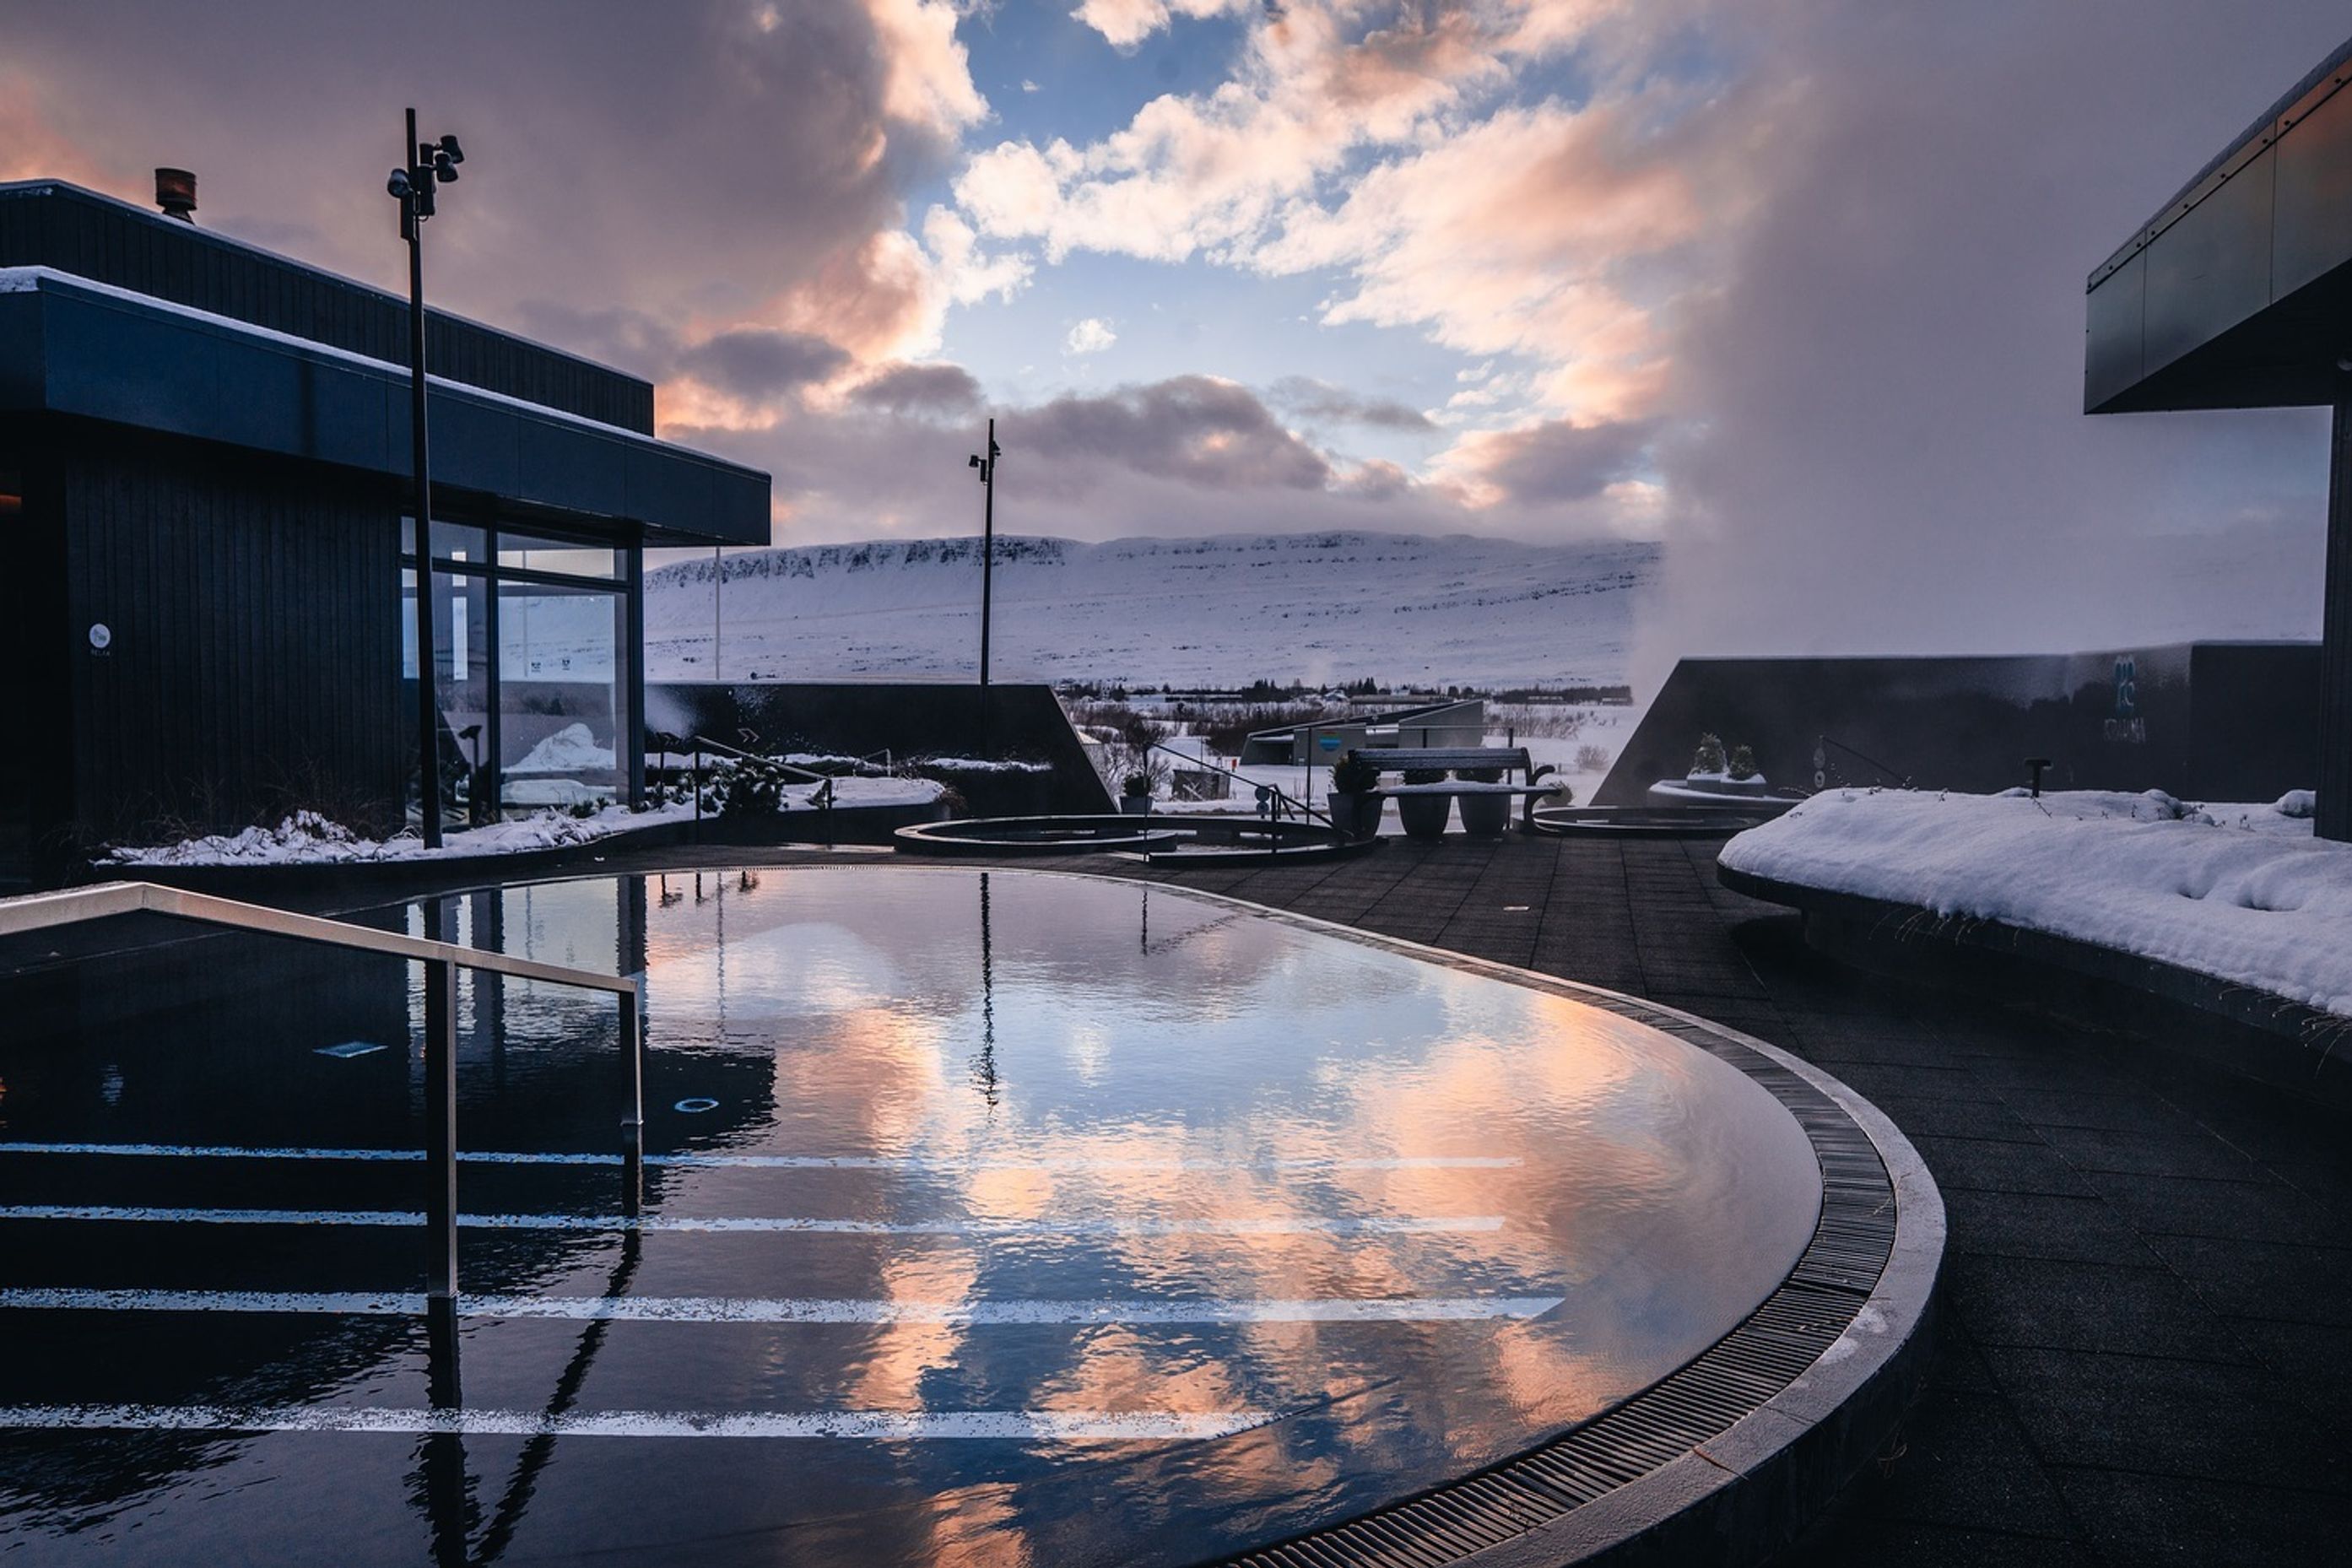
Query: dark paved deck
{"points": [[2149, 1282]]}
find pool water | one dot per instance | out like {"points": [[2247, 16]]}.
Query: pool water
{"points": [[992, 1217]]}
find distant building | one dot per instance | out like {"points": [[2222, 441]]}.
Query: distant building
{"points": [[2237, 294], [206, 605]]}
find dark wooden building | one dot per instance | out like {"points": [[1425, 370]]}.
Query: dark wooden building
{"points": [[204, 490], [2237, 294]]}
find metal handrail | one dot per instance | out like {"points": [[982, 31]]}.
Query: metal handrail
{"points": [[1302, 807], [442, 959], [73, 906]]}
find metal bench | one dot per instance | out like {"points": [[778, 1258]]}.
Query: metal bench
{"points": [[1511, 759], [1458, 759]]}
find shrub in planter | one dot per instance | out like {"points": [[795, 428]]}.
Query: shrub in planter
{"points": [[1707, 762], [1355, 798], [1135, 794], [1425, 815], [1742, 764], [1483, 815]]}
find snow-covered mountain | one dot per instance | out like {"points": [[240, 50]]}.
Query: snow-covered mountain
{"points": [[1223, 611]]}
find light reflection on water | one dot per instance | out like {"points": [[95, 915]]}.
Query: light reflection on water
{"points": [[1040, 1051]]}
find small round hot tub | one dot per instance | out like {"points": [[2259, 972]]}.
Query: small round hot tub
{"points": [[1203, 840], [1647, 822]]}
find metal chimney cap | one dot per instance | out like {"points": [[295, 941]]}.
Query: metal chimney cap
{"points": [[176, 192]]}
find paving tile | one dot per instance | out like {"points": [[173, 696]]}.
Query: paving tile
{"points": [[1874, 1079], [2039, 1225], [2126, 1112], [2255, 1211], [1930, 1116], [2158, 1519], [2105, 1306], [1866, 1542], [2150, 1154], [2316, 1359], [1989, 1165], [1961, 1459], [2199, 1419], [2264, 1278]]}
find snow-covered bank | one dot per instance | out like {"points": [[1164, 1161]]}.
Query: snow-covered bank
{"points": [[306, 838], [2242, 892]]}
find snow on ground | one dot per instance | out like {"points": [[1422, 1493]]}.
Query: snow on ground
{"points": [[306, 838], [571, 749], [1216, 612], [852, 791], [980, 766], [2242, 892]]}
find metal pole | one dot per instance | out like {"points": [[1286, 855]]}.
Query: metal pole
{"points": [[633, 1118], [2333, 815], [429, 705], [440, 1125], [987, 543], [718, 608]]}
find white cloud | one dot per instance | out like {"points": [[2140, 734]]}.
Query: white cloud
{"points": [[1090, 336], [1127, 22], [1028, 86]]}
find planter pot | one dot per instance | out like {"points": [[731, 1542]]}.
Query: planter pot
{"points": [[1135, 805], [1425, 815], [1485, 815], [1357, 815]]}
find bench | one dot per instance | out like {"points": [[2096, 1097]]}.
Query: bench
{"points": [[1463, 759]]}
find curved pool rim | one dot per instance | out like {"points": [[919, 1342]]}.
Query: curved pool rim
{"points": [[1742, 1490], [1176, 838], [1724, 1473]]}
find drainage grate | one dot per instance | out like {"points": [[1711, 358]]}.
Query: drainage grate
{"points": [[1833, 1277]]}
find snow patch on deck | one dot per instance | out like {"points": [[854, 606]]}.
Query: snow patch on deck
{"points": [[2242, 892]]}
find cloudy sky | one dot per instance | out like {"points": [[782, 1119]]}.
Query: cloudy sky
{"points": [[1795, 285]]}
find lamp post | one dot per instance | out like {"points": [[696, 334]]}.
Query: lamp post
{"points": [[424, 165], [987, 466]]}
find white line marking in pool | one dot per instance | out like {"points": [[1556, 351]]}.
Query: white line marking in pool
{"points": [[789, 1161], [800, 1309], [1292, 1225], [887, 1426]]}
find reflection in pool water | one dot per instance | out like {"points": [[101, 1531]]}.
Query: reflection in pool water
{"points": [[1037, 1219]]}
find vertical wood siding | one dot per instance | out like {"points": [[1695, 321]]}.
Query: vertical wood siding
{"points": [[255, 657]]}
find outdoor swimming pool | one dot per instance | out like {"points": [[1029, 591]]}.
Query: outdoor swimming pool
{"points": [[991, 1217]]}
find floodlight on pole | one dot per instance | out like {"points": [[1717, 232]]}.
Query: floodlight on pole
{"points": [[987, 466], [424, 166]]}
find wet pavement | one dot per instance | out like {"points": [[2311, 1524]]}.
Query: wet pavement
{"points": [[992, 1216]]}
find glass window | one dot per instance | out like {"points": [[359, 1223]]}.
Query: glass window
{"points": [[562, 694], [531, 553], [452, 542], [461, 682]]}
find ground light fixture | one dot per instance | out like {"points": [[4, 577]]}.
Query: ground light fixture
{"points": [[987, 466], [428, 166]]}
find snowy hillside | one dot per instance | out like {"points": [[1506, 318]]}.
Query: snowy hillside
{"points": [[1187, 612]]}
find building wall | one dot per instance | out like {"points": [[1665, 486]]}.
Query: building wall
{"points": [[254, 662]]}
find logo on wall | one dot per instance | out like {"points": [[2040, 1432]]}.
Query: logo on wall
{"points": [[2126, 724]]}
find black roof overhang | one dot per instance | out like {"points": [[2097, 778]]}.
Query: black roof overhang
{"points": [[2238, 293], [71, 347]]}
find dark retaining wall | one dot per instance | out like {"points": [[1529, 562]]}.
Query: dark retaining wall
{"points": [[910, 720], [2205, 721]]}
